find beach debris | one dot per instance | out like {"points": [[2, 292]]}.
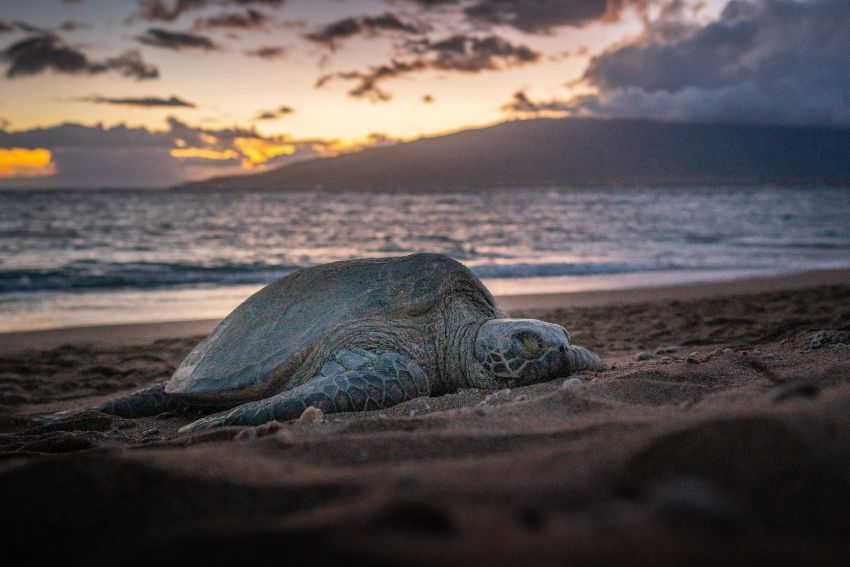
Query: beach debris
{"points": [[251, 433], [411, 413], [151, 432], [829, 337], [570, 382], [693, 358], [311, 416], [668, 349], [643, 355], [499, 397]]}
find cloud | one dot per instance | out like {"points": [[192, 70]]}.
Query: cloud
{"points": [[6, 28], [75, 155], [458, 53], [158, 37], [163, 11], [46, 52], [250, 19], [148, 101], [268, 52], [332, 34], [275, 114], [777, 61], [72, 25], [538, 16], [521, 104], [24, 162]]}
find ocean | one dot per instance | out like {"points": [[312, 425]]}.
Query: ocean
{"points": [[74, 257]]}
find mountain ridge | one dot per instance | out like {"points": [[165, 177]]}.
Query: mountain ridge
{"points": [[548, 152]]}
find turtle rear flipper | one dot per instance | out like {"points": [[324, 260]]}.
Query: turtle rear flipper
{"points": [[380, 382], [144, 403]]}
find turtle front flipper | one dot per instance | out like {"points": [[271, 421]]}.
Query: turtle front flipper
{"points": [[144, 403], [375, 382]]}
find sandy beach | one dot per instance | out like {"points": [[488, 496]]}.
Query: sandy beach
{"points": [[728, 442]]}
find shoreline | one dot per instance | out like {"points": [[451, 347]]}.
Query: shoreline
{"points": [[126, 334]]}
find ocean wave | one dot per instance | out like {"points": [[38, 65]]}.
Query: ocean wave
{"points": [[137, 275], [93, 275], [552, 269]]}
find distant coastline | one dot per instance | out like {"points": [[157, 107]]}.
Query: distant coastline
{"points": [[576, 152]]}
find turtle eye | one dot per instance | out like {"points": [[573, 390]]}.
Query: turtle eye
{"points": [[529, 345]]}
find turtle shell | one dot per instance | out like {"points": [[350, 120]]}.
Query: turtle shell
{"points": [[266, 338]]}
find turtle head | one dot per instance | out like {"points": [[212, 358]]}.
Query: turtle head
{"points": [[515, 352]]}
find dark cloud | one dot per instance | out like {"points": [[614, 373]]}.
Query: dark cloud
{"points": [[72, 25], [158, 10], [521, 104], [158, 37], [781, 61], [164, 11], [47, 52], [249, 19], [434, 3], [279, 112], [268, 52], [147, 101], [537, 15], [333, 33], [458, 53], [6, 28], [542, 16]]}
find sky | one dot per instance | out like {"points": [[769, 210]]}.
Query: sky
{"points": [[150, 93]]}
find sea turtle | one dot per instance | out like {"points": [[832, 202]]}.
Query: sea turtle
{"points": [[359, 335]]}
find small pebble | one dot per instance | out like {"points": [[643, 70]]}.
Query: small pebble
{"points": [[829, 337], [151, 432], [499, 397], [251, 433], [311, 416], [643, 355], [693, 358], [412, 413], [569, 383]]}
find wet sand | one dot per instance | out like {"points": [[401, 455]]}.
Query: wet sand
{"points": [[733, 447]]}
